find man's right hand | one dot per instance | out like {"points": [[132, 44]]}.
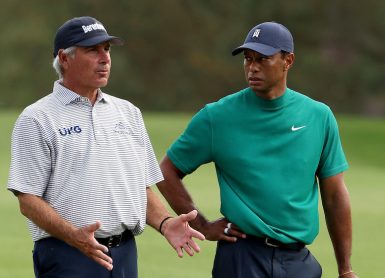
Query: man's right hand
{"points": [[84, 240], [43, 215]]}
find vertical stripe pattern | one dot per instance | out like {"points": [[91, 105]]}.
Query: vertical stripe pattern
{"points": [[88, 162]]}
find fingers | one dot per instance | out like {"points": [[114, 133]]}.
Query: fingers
{"points": [[196, 234], [180, 235], [88, 245], [191, 248], [228, 238], [98, 253], [101, 248], [192, 244], [189, 216], [93, 227], [232, 232], [103, 260], [234, 227], [179, 251], [188, 249]]}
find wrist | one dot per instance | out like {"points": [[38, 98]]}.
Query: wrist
{"points": [[343, 274], [200, 223], [162, 224], [344, 266]]}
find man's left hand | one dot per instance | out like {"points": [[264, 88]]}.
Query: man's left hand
{"points": [[179, 234]]}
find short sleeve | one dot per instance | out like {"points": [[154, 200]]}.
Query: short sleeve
{"points": [[152, 170], [194, 147], [333, 159], [30, 158]]}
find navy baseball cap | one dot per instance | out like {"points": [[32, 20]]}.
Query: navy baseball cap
{"points": [[82, 31], [267, 38]]}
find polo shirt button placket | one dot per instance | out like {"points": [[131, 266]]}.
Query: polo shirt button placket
{"points": [[94, 125]]}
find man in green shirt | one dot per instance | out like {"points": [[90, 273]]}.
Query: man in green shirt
{"points": [[273, 148]]}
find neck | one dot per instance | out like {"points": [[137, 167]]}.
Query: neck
{"points": [[271, 93]]}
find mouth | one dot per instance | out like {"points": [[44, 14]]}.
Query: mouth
{"points": [[103, 72], [254, 80]]}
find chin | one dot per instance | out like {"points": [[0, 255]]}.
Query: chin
{"points": [[103, 83], [257, 88]]}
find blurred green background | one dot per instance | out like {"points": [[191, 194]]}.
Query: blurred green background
{"points": [[176, 59], [177, 54]]}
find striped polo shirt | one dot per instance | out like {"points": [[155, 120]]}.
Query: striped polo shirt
{"points": [[88, 162]]}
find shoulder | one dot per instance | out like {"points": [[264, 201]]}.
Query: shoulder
{"points": [[317, 111], [41, 108], [123, 105], [310, 103], [120, 102], [231, 99], [218, 109], [126, 111], [227, 103]]}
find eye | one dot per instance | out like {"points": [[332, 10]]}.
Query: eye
{"points": [[91, 49], [248, 58]]}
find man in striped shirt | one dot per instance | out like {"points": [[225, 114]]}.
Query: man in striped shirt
{"points": [[82, 165]]}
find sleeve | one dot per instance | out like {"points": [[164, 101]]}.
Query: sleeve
{"points": [[194, 147], [333, 159], [152, 169], [30, 167]]}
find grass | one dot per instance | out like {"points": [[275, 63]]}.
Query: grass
{"points": [[363, 140]]}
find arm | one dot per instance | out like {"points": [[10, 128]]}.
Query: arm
{"points": [[180, 200], [43, 215], [175, 229], [336, 204]]}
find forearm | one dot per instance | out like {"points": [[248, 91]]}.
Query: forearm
{"points": [[338, 218], [43, 215], [339, 222], [156, 211], [174, 191], [180, 200]]}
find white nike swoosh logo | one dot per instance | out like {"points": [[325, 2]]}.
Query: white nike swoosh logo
{"points": [[293, 128]]}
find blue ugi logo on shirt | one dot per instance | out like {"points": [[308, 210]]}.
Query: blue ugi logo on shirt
{"points": [[67, 131]]}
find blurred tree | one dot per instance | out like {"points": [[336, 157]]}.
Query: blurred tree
{"points": [[177, 54]]}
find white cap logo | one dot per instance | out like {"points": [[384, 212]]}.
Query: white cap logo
{"points": [[92, 27], [256, 33]]}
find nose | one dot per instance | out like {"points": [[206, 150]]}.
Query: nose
{"points": [[104, 56], [254, 66]]}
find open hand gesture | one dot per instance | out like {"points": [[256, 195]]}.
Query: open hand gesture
{"points": [[179, 234]]}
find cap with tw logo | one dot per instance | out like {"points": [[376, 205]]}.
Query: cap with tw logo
{"points": [[82, 31], [267, 38]]}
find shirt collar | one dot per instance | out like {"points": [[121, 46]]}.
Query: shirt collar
{"points": [[66, 96], [273, 104]]}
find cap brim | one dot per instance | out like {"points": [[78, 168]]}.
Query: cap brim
{"points": [[258, 47], [100, 39]]}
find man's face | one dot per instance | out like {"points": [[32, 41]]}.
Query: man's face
{"points": [[89, 69], [266, 74]]}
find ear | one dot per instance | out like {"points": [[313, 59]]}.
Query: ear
{"points": [[289, 61], [63, 58]]}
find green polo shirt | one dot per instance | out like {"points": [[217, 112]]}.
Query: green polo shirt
{"points": [[268, 155]]}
